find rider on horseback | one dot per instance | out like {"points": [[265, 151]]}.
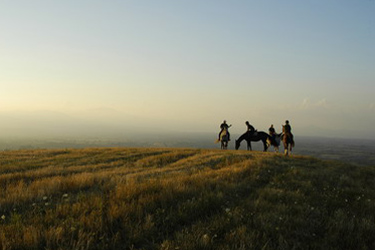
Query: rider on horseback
{"points": [[272, 133], [287, 130], [225, 126], [250, 128]]}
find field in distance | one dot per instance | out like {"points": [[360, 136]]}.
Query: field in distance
{"points": [[168, 198]]}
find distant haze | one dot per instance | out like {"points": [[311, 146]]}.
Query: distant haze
{"points": [[47, 124], [111, 68]]}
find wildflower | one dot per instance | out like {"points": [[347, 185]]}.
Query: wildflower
{"points": [[206, 239], [34, 204], [45, 198], [65, 195], [3, 217], [227, 210], [46, 204]]}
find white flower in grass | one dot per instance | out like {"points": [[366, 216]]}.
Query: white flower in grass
{"points": [[47, 204], [45, 198], [227, 210], [65, 196], [206, 238], [3, 217]]}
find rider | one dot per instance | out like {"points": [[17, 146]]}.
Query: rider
{"points": [[287, 129], [223, 126], [250, 128], [272, 133]]}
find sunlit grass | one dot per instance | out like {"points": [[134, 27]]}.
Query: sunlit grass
{"points": [[140, 198]]}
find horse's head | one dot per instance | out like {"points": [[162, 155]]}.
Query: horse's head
{"points": [[237, 145], [278, 139]]}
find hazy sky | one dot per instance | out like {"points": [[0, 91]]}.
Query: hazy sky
{"points": [[188, 65]]}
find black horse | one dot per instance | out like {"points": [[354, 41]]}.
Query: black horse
{"points": [[257, 136]]}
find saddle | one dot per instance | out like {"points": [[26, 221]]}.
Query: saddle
{"points": [[254, 133]]}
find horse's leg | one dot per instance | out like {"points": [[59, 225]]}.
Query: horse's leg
{"points": [[285, 148], [264, 146]]}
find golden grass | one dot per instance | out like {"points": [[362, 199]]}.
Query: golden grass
{"points": [[142, 198]]}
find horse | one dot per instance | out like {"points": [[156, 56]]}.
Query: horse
{"points": [[224, 138], [275, 143], [256, 136], [288, 142]]}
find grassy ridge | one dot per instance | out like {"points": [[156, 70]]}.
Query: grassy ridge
{"points": [[134, 198]]}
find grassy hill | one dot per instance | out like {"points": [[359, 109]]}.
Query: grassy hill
{"points": [[141, 198]]}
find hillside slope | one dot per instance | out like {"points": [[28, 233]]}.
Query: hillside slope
{"points": [[141, 198]]}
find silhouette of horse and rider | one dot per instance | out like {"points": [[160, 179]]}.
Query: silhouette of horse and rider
{"points": [[270, 139], [224, 135]]}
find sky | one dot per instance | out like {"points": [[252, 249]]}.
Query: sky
{"points": [[189, 65]]}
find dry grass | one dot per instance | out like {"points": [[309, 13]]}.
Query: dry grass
{"points": [[138, 198]]}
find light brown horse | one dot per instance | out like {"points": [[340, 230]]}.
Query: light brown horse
{"points": [[224, 138]]}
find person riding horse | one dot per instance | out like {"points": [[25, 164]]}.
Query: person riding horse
{"points": [[272, 133], [225, 126], [287, 130], [250, 128]]}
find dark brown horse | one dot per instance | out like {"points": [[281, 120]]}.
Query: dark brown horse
{"points": [[288, 142], [249, 137], [275, 142]]}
